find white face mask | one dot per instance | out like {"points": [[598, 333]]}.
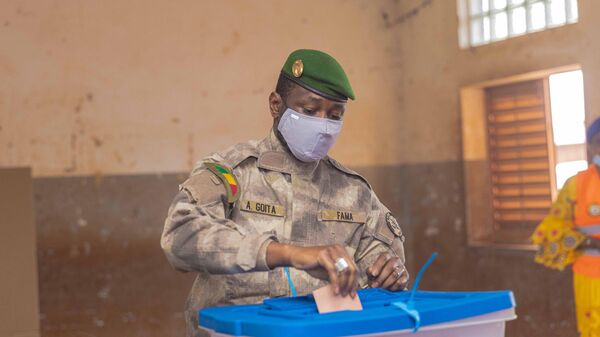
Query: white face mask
{"points": [[309, 138]]}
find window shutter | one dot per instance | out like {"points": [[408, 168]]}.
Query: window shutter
{"points": [[520, 160]]}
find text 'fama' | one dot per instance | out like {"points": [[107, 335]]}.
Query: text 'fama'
{"points": [[347, 216]]}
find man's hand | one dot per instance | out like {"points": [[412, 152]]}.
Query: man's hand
{"points": [[319, 262], [388, 273]]}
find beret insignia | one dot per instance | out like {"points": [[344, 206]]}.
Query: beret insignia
{"points": [[297, 68]]}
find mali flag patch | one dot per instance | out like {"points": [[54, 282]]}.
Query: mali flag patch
{"points": [[229, 180]]}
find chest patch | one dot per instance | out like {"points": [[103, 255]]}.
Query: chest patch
{"points": [[345, 216], [262, 208], [594, 210]]}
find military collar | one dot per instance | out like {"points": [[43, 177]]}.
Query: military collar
{"points": [[275, 156]]}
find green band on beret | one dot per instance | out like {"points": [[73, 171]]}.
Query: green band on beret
{"points": [[318, 72]]}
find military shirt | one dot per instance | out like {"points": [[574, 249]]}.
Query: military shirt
{"points": [[281, 199]]}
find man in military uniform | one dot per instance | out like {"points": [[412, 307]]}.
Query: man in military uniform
{"points": [[249, 212]]}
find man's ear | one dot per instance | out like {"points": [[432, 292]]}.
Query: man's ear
{"points": [[275, 104]]}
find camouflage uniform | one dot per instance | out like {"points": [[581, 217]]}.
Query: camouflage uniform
{"points": [[282, 199]]}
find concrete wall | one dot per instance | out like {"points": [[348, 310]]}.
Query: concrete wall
{"points": [[434, 70]]}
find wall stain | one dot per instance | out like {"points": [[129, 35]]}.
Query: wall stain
{"points": [[78, 133], [97, 141], [236, 38], [235, 41], [22, 12], [406, 16], [81, 222], [73, 165], [99, 323], [104, 293]]}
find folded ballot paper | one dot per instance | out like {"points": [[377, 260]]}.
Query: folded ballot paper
{"points": [[328, 301]]}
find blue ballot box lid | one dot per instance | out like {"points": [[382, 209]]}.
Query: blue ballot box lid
{"points": [[298, 316]]}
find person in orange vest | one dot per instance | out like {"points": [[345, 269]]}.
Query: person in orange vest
{"points": [[570, 235]]}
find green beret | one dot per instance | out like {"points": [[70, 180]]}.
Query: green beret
{"points": [[319, 73]]}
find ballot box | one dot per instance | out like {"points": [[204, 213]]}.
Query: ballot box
{"points": [[440, 314]]}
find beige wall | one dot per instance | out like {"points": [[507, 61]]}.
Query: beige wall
{"points": [[434, 69], [124, 87], [117, 87]]}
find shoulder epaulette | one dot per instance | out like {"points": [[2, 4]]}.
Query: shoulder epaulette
{"points": [[226, 175], [238, 153], [348, 171]]}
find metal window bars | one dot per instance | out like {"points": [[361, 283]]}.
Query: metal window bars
{"points": [[486, 21]]}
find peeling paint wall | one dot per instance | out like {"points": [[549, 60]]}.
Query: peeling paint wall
{"points": [[97, 87]]}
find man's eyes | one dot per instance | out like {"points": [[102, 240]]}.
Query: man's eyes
{"points": [[311, 111]]}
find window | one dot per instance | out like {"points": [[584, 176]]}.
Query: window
{"points": [[522, 138], [486, 21], [568, 121]]}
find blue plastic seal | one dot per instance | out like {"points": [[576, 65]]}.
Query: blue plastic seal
{"points": [[289, 279], [409, 306]]}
